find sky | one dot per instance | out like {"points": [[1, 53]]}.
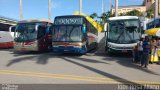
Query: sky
{"points": [[38, 9]]}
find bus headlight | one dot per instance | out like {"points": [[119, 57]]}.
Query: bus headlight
{"points": [[79, 45]]}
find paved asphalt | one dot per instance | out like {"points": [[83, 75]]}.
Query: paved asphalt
{"points": [[92, 68]]}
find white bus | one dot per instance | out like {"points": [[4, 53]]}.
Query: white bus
{"points": [[33, 35], [122, 33], [6, 35]]}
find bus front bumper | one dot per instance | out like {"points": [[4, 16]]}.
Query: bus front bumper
{"points": [[25, 48], [62, 49], [119, 51]]}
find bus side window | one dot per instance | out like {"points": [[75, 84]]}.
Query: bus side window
{"points": [[157, 23], [13, 29], [41, 31]]}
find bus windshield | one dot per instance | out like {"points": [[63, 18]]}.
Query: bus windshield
{"points": [[124, 31], [25, 32], [67, 33]]}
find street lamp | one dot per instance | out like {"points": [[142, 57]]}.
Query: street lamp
{"points": [[102, 6]]}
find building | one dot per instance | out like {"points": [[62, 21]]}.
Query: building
{"points": [[6, 20], [150, 4], [147, 4], [125, 9]]}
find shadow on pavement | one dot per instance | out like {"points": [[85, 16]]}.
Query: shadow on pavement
{"points": [[87, 60], [42, 58], [17, 60], [126, 60], [108, 75]]}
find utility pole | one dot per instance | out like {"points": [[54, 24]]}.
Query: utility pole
{"points": [[49, 9], [103, 7], [156, 9], [110, 5], [116, 8], [80, 7], [21, 14], [103, 11]]}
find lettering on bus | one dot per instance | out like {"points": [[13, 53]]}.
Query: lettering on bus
{"points": [[65, 21]]}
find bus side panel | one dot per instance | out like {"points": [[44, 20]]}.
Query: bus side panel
{"points": [[6, 40], [92, 36]]}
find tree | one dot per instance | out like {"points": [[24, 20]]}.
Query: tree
{"points": [[94, 15], [105, 16], [150, 13], [134, 13], [122, 14]]}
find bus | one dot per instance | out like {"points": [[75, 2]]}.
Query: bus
{"points": [[73, 34], [6, 35], [122, 34], [154, 23], [33, 35]]}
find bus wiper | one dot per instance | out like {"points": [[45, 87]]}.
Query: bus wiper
{"points": [[119, 36]]}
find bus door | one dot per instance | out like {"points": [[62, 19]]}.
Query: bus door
{"points": [[42, 38], [12, 30]]}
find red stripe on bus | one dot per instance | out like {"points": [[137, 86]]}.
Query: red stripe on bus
{"points": [[6, 44]]}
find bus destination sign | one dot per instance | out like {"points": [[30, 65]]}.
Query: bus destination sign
{"points": [[67, 21]]}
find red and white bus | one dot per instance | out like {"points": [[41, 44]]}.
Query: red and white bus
{"points": [[6, 35], [33, 35]]}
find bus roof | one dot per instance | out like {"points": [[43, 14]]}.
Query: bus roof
{"points": [[70, 16], [123, 17], [35, 20]]}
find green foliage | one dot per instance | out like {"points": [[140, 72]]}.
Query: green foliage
{"points": [[150, 13], [94, 15], [134, 13], [103, 17]]}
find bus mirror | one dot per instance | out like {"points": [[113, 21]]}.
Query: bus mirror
{"points": [[144, 25], [84, 29], [106, 27], [36, 28]]}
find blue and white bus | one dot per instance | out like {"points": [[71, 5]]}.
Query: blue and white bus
{"points": [[73, 34]]}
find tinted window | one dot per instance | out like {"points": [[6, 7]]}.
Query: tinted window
{"points": [[41, 31]]}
